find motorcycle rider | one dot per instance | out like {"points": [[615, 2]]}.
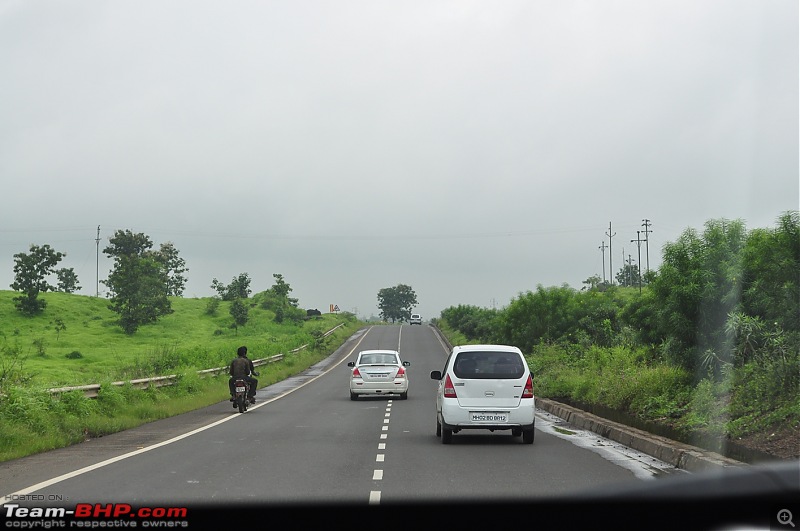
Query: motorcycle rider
{"points": [[242, 367]]}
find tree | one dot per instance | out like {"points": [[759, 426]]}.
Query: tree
{"points": [[174, 268], [698, 286], [138, 282], [67, 280], [277, 299], [592, 282], [281, 289], [547, 314], [30, 274], [628, 275], [771, 284], [240, 313], [239, 288], [396, 303]]}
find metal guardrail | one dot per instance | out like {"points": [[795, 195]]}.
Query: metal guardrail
{"points": [[91, 390]]}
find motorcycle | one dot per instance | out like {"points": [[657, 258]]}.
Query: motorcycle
{"points": [[241, 389]]}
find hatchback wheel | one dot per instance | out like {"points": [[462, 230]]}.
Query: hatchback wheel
{"points": [[527, 436], [438, 429]]}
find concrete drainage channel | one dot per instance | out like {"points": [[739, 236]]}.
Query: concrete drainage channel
{"points": [[680, 455]]}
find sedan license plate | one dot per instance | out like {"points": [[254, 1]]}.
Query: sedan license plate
{"points": [[488, 416], [379, 374]]}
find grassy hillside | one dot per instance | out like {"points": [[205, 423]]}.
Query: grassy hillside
{"points": [[76, 341], [90, 347]]}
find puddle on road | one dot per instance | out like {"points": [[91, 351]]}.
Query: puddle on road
{"points": [[642, 466]]}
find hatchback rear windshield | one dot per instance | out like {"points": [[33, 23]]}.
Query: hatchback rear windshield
{"points": [[486, 365]]}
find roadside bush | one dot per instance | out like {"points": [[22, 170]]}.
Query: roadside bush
{"points": [[76, 403], [110, 397]]}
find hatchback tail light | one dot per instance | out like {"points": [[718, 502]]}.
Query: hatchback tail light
{"points": [[449, 390], [356, 374], [401, 373], [528, 391]]}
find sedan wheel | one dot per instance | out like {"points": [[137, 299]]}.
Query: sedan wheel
{"points": [[447, 436], [353, 396], [438, 429]]}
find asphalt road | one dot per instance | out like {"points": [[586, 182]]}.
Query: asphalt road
{"points": [[306, 441], [308, 455]]}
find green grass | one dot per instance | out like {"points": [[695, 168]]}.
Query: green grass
{"points": [[187, 337], [36, 356]]}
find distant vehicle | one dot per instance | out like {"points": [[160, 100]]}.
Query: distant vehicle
{"points": [[415, 319], [378, 372], [487, 387]]}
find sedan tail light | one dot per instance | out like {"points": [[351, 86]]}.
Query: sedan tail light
{"points": [[528, 391], [356, 374], [449, 390], [401, 373]]}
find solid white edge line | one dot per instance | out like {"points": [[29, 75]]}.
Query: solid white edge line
{"points": [[107, 462]]}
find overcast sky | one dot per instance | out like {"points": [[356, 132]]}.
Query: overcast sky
{"points": [[470, 149]]}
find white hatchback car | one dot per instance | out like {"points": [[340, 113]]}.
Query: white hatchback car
{"points": [[378, 372], [415, 319], [487, 387]]}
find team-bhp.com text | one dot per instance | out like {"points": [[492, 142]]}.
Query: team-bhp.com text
{"points": [[86, 515]]}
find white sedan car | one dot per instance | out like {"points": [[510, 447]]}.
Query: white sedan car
{"points": [[378, 372]]}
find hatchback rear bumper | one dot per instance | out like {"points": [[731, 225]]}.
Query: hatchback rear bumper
{"points": [[456, 417]]}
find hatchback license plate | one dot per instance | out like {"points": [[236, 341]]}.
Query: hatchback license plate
{"points": [[488, 416]]}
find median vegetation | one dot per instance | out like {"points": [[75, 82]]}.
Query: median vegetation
{"points": [[708, 343]]}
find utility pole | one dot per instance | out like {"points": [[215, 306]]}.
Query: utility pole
{"points": [[603, 250], [630, 270], [647, 231], [610, 263], [639, 241], [97, 267]]}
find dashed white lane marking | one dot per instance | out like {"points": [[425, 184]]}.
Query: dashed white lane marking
{"points": [[377, 475]]}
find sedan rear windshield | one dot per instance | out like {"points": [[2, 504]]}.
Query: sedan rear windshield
{"points": [[488, 365], [377, 359]]}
